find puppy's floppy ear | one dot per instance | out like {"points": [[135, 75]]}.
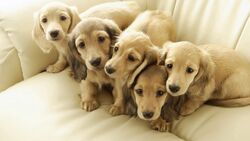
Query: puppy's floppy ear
{"points": [[75, 18], [164, 52], [114, 31], [163, 56], [76, 63], [206, 69], [151, 56], [130, 105], [39, 36]]}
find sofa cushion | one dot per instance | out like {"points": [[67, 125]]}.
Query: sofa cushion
{"points": [[211, 21], [10, 68], [46, 108], [216, 124], [243, 44]]}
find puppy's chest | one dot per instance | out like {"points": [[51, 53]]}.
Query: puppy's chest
{"points": [[61, 47], [99, 77]]}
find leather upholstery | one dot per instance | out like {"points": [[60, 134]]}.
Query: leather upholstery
{"points": [[46, 106]]}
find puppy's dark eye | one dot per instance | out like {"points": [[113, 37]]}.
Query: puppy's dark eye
{"points": [[131, 58], [44, 20], [63, 18], [189, 70], [159, 93], [139, 92], [81, 45], [116, 49], [101, 39], [169, 66]]}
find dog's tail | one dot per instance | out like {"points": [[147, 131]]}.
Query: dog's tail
{"points": [[236, 102]]}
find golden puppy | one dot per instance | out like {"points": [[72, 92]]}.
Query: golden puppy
{"points": [[134, 49], [151, 100], [207, 72], [122, 13], [156, 24], [91, 44], [55, 20], [51, 25], [150, 97]]}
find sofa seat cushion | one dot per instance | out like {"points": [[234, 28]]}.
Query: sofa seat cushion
{"points": [[46, 108], [210, 123]]}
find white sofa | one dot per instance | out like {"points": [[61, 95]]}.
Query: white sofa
{"points": [[39, 106]]}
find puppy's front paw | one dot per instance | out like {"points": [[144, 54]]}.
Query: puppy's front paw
{"points": [[116, 110], [160, 125], [89, 105], [54, 68]]}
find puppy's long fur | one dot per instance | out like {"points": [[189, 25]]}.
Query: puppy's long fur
{"points": [[152, 100], [134, 49], [91, 44], [55, 20], [122, 13], [207, 72], [51, 25], [159, 26]]}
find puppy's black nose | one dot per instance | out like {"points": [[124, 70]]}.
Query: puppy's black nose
{"points": [[54, 33], [174, 88], [95, 62], [109, 69], [148, 114]]}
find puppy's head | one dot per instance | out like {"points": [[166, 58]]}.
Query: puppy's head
{"points": [[186, 64], [132, 52], [52, 23], [93, 39], [150, 93]]}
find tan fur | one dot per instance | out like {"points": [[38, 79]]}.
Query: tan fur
{"points": [[219, 74], [52, 12], [115, 11], [133, 42], [149, 99], [158, 25], [122, 13], [93, 38]]}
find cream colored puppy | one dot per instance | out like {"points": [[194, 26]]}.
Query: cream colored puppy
{"points": [[135, 50], [150, 94], [90, 43], [207, 72], [51, 25], [122, 13], [55, 20], [156, 24]]}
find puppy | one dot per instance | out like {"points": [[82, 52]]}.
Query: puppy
{"points": [[156, 24], [91, 44], [150, 97], [122, 13], [55, 20], [134, 49], [206, 72], [51, 25], [152, 101]]}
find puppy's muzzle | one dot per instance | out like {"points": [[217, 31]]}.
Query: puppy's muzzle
{"points": [[95, 62], [148, 114], [109, 69], [54, 34], [174, 88]]}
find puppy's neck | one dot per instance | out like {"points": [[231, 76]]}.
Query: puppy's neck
{"points": [[61, 45]]}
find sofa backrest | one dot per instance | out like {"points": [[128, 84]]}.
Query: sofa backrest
{"points": [[224, 22]]}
